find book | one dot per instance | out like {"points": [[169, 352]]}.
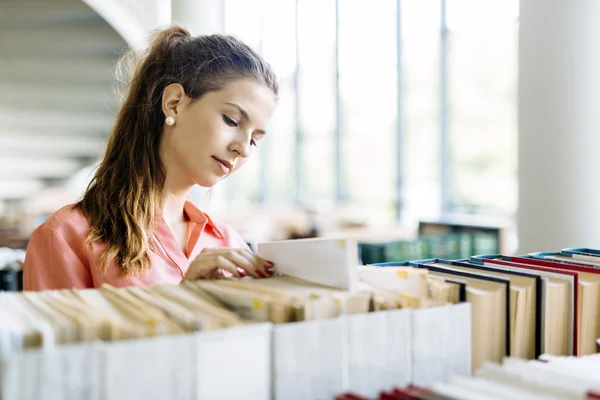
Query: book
{"points": [[587, 329], [525, 306], [560, 292]]}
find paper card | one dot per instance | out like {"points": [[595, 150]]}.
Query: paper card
{"points": [[458, 345], [310, 360], [367, 341], [49, 384], [148, 369], [20, 377], [13, 378], [234, 363], [62, 372], [429, 339], [80, 370], [399, 363], [327, 261]]}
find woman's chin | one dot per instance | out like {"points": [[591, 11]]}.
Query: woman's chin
{"points": [[208, 182]]}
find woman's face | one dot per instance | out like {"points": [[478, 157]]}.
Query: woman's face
{"points": [[213, 136]]}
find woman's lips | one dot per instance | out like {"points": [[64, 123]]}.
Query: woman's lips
{"points": [[225, 165]]}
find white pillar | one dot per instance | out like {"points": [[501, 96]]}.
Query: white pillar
{"points": [[559, 125], [200, 17]]}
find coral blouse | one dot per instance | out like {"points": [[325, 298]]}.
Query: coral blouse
{"points": [[56, 257]]}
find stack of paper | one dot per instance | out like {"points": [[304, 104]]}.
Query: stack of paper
{"points": [[362, 353], [310, 332], [50, 318]]}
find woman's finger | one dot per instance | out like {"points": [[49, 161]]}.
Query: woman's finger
{"points": [[204, 266], [244, 263], [247, 262], [223, 262], [256, 262]]}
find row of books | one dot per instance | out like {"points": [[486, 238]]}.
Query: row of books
{"points": [[564, 378], [449, 238], [303, 360], [323, 326], [526, 306], [369, 326], [448, 246]]}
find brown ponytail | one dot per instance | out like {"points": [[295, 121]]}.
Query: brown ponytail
{"points": [[123, 199]]}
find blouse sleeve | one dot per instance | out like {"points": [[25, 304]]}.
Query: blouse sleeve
{"points": [[52, 263]]}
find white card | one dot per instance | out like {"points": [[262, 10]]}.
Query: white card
{"points": [[399, 361], [429, 339], [326, 261], [367, 353], [458, 345], [234, 363], [310, 360], [12, 378], [147, 369]]}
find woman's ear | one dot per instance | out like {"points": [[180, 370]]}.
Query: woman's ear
{"points": [[173, 97]]}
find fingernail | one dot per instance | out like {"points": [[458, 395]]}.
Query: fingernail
{"points": [[260, 274], [270, 263]]}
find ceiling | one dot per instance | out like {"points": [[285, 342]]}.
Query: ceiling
{"points": [[57, 103]]}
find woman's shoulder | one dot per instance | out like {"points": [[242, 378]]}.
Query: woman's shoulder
{"points": [[69, 221]]}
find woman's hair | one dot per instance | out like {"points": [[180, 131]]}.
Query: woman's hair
{"points": [[123, 199]]}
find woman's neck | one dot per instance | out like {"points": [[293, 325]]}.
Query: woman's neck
{"points": [[173, 202], [174, 194], [172, 208]]}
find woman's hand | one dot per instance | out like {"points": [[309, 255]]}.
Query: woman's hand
{"points": [[212, 263]]}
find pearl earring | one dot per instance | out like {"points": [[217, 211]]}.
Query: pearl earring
{"points": [[170, 121]]}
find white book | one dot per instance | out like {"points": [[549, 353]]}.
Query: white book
{"points": [[310, 360], [80, 370], [429, 345], [367, 339], [457, 352], [399, 369], [327, 261], [378, 351], [12, 378], [234, 363], [146, 369]]}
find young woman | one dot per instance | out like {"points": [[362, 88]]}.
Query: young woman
{"points": [[195, 108]]}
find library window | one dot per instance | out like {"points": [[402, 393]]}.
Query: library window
{"points": [[411, 115]]}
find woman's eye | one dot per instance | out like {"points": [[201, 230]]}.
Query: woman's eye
{"points": [[252, 142], [229, 121]]}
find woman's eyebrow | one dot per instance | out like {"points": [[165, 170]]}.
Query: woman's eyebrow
{"points": [[245, 116], [240, 109]]}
